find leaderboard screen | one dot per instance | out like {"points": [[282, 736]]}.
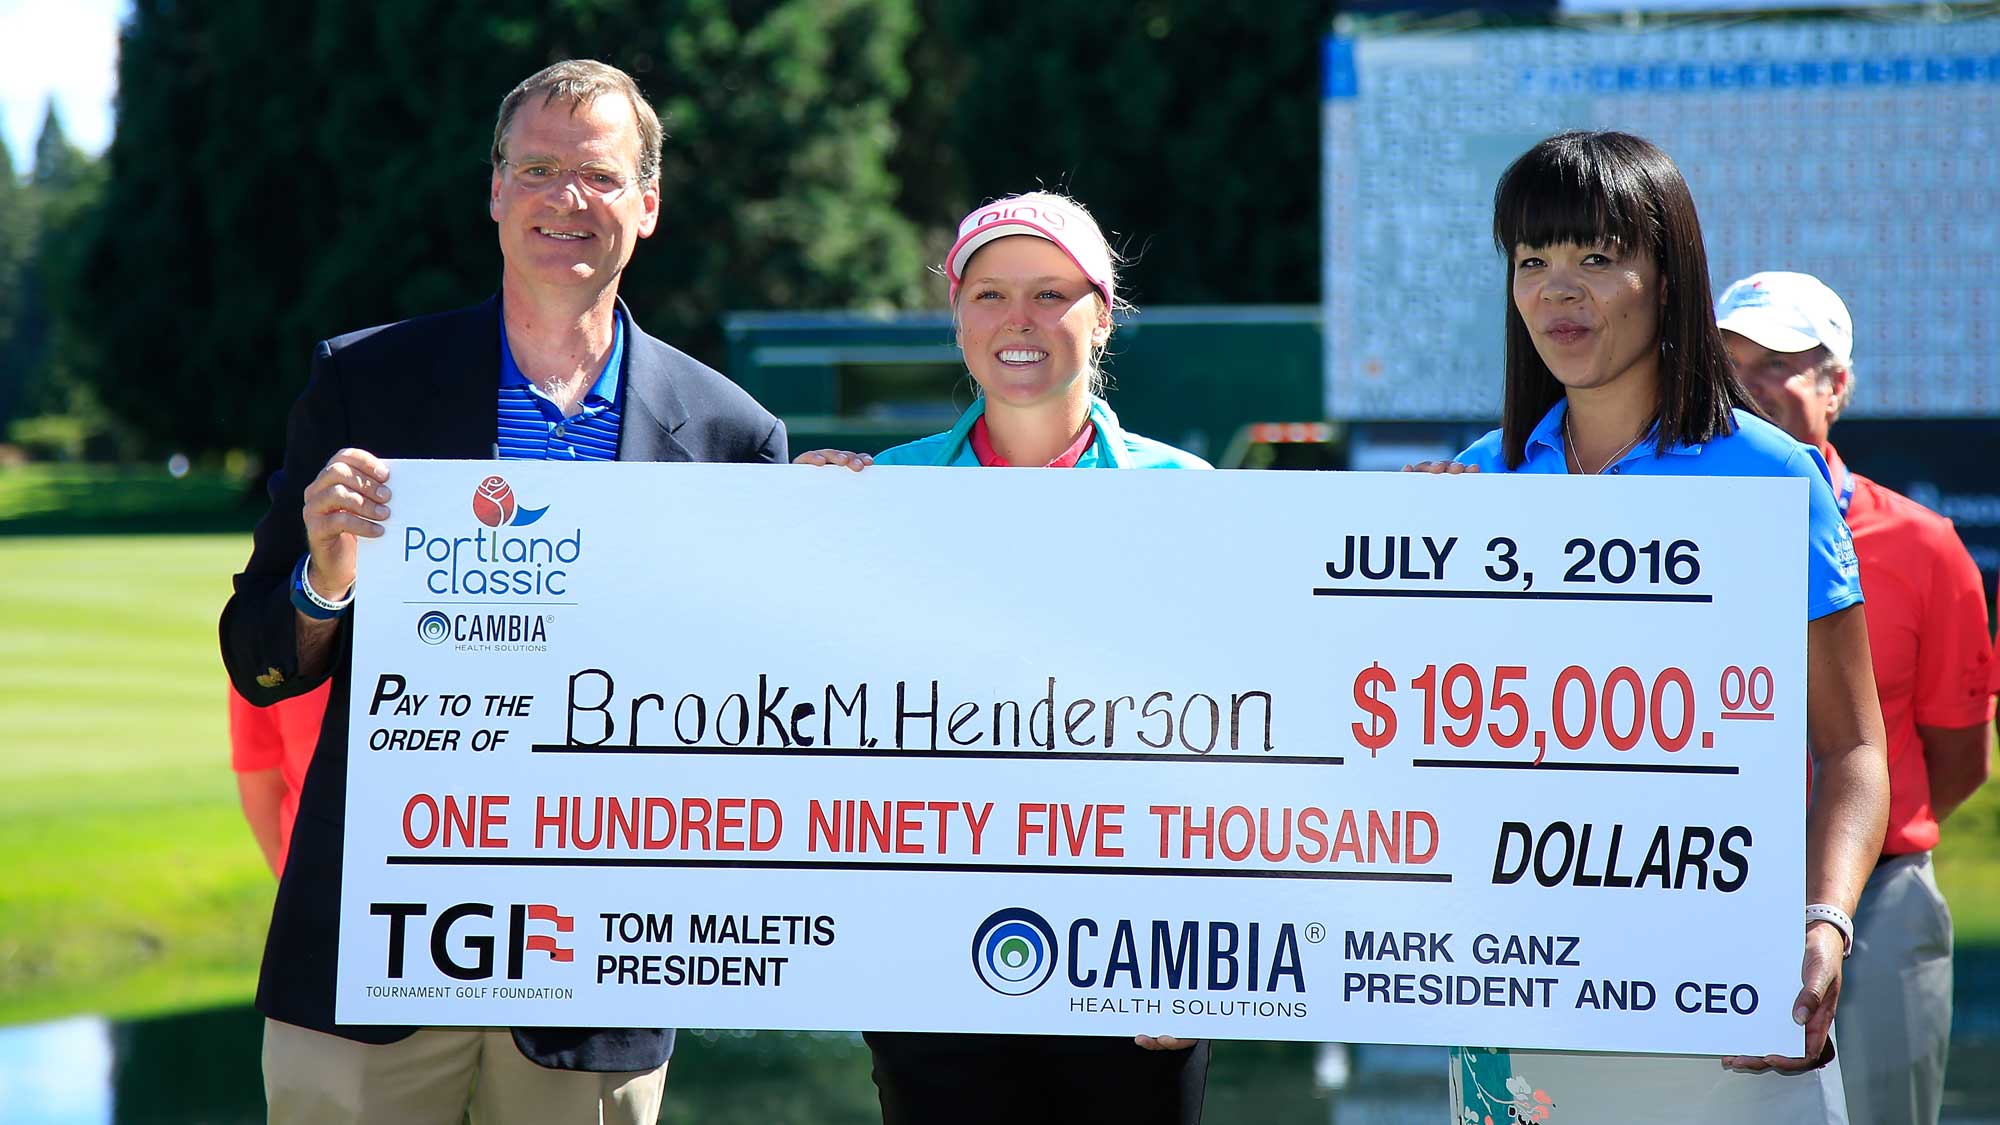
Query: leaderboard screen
{"points": [[1867, 154]]}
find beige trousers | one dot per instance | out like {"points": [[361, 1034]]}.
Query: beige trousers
{"points": [[442, 1076], [1894, 1026]]}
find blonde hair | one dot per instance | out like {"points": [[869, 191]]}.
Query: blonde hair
{"points": [[1109, 314]]}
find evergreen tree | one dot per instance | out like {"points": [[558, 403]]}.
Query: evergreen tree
{"points": [[1190, 126], [58, 200], [59, 165], [17, 235]]}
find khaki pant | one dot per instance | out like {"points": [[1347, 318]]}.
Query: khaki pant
{"points": [[441, 1076], [1894, 1022]]}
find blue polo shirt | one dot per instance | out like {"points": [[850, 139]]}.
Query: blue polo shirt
{"points": [[1755, 449], [531, 427]]}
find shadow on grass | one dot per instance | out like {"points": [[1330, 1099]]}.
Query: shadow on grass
{"points": [[123, 500]]}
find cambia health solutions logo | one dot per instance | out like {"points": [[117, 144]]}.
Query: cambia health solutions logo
{"points": [[434, 628], [1014, 951], [493, 504]]}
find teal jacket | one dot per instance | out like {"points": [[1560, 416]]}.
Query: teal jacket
{"points": [[1112, 449]]}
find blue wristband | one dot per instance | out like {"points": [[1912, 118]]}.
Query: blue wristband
{"points": [[309, 601]]}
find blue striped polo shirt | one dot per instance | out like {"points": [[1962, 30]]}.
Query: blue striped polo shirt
{"points": [[532, 427]]}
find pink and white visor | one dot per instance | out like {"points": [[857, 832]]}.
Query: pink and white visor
{"points": [[1074, 233]]}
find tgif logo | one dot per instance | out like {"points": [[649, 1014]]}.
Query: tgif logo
{"points": [[463, 948]]}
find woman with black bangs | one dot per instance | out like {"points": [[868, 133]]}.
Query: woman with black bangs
{"points": [[1615, 366]]}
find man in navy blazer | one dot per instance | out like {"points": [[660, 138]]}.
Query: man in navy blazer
{"points": [[552, 368]]}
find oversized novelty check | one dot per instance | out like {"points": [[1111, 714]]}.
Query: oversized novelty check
{"points": [[1315, 756]]}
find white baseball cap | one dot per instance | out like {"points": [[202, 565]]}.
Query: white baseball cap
{"points": [[1787, 312], [1040, 214]]}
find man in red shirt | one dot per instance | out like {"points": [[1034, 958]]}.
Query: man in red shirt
{"points": [[1790, 339], [270, 748]]}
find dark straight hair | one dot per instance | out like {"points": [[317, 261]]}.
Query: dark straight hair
{"points": [[1588, 188]]}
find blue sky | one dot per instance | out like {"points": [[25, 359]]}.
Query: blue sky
{"points": [[64, 48]]}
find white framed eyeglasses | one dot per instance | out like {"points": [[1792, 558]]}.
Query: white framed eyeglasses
{"points": [[596, 179]]}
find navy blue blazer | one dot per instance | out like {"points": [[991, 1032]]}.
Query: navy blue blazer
{"points": [[425, 388]]}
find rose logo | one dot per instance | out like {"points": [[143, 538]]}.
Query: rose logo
{"points": [[493, 504]]}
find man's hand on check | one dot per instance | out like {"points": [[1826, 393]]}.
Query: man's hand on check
{"points": [[349, 497]]}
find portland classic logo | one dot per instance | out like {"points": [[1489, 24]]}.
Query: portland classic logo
{"points": [[493, 505], [1014, 951], [498, 560]]}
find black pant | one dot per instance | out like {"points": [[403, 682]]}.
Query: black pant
{"points": [[1030, 1079]]}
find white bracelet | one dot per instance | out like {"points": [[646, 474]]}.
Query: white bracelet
{"points": [[1837, 918], [321, 600]]}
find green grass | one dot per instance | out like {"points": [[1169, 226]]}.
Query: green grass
{"points": [[1968, 867], [131, 884], [66, 499]]}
